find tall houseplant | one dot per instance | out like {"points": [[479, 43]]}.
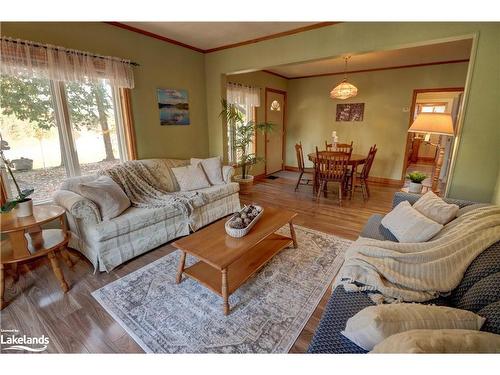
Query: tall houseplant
{"points": [[25, 204], [244, 133]]}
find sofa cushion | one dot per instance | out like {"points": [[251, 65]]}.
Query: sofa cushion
{"points": [[132, 219], [374, 229], [72, 183], [374, 324], [440, 341], [481, 294], [485, 264], [217, 192], [212, 168], [492, 314], [410, 226], [161, 169], [436, 209], [108, 196], [191, 177]]}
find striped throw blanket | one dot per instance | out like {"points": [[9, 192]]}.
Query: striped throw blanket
{"points": [[420, 271], [141, 187]]}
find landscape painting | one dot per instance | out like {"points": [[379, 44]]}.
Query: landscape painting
{"points": [[350, 112], [174, 107]]}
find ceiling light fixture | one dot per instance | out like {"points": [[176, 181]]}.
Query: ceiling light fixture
{"points": [[344, 89]]}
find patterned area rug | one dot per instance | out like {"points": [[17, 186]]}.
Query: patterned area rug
{"points": [[267, 313]]}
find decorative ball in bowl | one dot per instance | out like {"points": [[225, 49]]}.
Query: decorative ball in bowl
{"points": [[241, 222]]}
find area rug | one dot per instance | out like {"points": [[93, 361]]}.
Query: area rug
{"points": [[267, 313]]}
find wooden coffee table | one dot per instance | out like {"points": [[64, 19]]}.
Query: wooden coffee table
{"points": [[225, 263]]}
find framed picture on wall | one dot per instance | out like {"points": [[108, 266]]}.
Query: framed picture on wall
{"points": [[174, 107], [350, 112]]}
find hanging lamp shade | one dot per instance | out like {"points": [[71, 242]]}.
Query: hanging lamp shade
{"points": [[344, 90]]}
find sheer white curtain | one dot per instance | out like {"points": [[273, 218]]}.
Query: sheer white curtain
{"points": [[246, 98], [24, 58]]}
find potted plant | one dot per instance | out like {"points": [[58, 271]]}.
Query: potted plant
{"points": [[416, 179], [243, 136], [23, 204]]}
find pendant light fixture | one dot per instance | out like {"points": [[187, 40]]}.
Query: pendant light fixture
{"points": [[344, 89]]}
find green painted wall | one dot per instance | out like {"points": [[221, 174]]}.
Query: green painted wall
{"points": [[311, 112], [496, 195], [477, 164], [261, 80], [163, 65]]}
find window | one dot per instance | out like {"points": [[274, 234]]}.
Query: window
{"points": [[60, 114], [246, 99], [42, 151], [431, 108]]}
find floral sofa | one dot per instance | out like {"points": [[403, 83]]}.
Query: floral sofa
{"points": [[110, 243], [479, 291]]}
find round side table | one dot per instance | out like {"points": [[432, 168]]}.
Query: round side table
{"points": [[26, 240]]}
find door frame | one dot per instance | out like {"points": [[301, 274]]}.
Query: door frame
{"points": [[410, 120], [283, 139]]}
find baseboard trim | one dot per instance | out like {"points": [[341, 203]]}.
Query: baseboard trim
{"points": [[290, 168]]}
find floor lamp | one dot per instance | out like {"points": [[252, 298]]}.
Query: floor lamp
{"points": [[434, 123]]}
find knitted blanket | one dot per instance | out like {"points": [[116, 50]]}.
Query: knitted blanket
{"points": [[420, 271], [141, 187]]}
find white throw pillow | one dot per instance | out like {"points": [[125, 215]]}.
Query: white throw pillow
{"points": [[374, 324], [107, 195], [440, 341], [212, 168], [433, 207], [191, 177], [409, 225]]}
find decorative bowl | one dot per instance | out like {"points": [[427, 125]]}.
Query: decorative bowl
{"points": [[240, 232]]}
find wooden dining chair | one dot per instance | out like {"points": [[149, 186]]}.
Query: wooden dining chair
{"points": [[331, 167], [302, 169], [362, 177], [341, 147]]}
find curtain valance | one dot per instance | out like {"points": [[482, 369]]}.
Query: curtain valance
{"points": [[29, 59], [243, 95]]}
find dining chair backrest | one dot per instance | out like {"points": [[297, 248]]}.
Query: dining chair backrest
{"points": [[340, 147], [365, 172], [332, 165], [300, 156]]}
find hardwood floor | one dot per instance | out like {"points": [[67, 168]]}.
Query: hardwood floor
{"points": [[76, 323]]}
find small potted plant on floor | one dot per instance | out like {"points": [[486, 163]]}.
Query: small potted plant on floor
{"points": [[244, 134], [416, 179], [23, 204]]}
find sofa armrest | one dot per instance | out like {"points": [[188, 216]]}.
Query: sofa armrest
{"points": [[227, 173], [78, 206]]}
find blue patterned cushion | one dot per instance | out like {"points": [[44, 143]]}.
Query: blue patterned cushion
{"points": [[412, 198], [485, 264], [374, 229], [482, 293], [492, 315], [340, 307]]}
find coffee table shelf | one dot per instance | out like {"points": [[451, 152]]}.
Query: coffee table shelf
{"points": [[241, 270]]}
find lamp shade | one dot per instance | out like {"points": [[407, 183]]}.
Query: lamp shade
{"points": [[344, 90], [435, 123]]}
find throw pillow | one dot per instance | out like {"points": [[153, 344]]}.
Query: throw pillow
{"points": [[190, 177], [107, 195], [212, 168], [440, 341], [409, 225], [481, 294], [433, 207], [373, 324]]}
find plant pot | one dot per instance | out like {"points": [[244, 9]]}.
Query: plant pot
{"points": [[415, 187], [24, 208], [245, 183]]}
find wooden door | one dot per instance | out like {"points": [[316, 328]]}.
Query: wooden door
{"points": [[275, 113]]}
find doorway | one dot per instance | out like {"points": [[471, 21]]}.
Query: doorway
{"points": [[423, 156], [275, 101]]}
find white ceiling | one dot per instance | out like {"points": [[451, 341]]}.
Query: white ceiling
{"points": [[450, 51], [207, 35]]}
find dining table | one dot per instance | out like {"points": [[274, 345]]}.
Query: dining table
{"points": [[354, 162]]}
